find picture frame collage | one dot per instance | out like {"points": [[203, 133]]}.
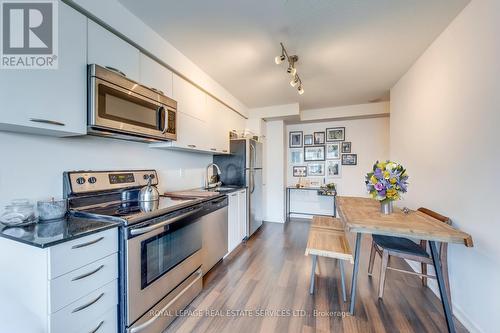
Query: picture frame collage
{"points": [[320, 154]]}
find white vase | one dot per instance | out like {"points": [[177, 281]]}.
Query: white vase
{"points": [[386, 207]]}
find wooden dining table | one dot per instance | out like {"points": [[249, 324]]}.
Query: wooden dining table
{"points": [[363, 216]]}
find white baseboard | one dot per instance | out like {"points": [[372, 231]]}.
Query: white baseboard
{"points": [[457, 310]]}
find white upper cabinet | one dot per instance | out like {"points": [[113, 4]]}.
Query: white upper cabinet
{"points": [[218, 124], [108, 50], [50, 101], [154, 75], [190, 99]]}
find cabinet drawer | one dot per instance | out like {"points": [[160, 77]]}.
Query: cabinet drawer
{"points": [[69, 287], [107, 323], [85, 310], [71, 255]]}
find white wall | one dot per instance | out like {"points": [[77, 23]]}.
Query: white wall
{"points": [[274, 172], [444, 129], [32, 166], [370, 141]]}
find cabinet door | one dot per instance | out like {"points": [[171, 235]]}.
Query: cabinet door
{"points": [[52, 102], [108, 50], [190, 100], [155, 75], [242, 214], [217, 126], [233, 227]]}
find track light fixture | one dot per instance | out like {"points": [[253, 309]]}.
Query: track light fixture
{"points": [[291, 69]]}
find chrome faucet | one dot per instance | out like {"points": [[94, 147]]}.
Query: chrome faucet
{"points": [[214, 180]]}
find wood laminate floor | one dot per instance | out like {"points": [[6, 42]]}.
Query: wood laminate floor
{"points": [[271, 273]]}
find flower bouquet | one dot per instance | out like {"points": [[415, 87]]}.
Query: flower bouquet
{"points": [[386, 183]]}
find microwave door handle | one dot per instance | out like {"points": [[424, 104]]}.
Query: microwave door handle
{"points": [[159, 112]]}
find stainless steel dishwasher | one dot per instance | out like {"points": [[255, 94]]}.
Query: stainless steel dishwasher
{"points": [[214, 227]]}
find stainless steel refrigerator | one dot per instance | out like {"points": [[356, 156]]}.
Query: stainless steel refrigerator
{"points": [[243, 167]]}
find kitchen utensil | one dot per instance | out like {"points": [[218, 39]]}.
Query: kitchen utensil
{"points": [[20, 212], [52, 209], [149, 192]]}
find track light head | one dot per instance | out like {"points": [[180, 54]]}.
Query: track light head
{"points": [[279, 59], [295, 81], [291, 70], [301, 90]]}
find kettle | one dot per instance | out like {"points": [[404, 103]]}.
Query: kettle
{"points": [[149, 192]]}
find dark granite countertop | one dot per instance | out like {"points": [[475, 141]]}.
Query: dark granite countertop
{"points": [[48, 233]]}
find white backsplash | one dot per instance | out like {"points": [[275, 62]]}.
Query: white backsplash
{"points": [[31, 166]]}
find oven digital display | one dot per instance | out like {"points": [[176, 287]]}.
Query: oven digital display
{"points": [[121, 178]]}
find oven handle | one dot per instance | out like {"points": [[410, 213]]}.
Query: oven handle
{"points": [[140, 231], [160, 312]]}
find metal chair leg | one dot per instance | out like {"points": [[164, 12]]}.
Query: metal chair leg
{"points": [[383, 268], [313, 270], [342, 279], [372, 259]]}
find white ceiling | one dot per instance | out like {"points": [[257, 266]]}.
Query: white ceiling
{"points": [[351, 51]]}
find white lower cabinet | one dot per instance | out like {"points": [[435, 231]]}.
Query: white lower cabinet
{"points": [[237, 218], [86, 311], [70, 287]]}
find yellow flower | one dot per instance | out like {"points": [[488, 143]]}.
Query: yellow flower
{"points": [[374, 180], [393, 180], [386, 174], [392, 194], [381, 165]]}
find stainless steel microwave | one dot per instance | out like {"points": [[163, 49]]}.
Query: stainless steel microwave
{"points": [[121, 108]]}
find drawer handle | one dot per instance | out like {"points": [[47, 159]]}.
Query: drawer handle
{"points": [[87, 274], [46, 121], [97, 328], [144, 325], [225, 150], [192, 146], [82, 307], [77, 246], [213, 149]]}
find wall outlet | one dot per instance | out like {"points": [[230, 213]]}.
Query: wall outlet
{"points": [[181, 172]]}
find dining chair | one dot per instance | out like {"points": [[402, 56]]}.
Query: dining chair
{"points": [[389, 246]]}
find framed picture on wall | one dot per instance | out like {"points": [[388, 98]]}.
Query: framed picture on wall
{"points": [[308, 140], [333, 168], [314, 153], [346, 147], [295, 139], [332, 150], [335, 134], [316, 169], [300, 171], [349, 159], [319, 138], [296, 155]]}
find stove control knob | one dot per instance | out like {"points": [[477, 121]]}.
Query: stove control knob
{"points": [[92, 180], [80, 180]]}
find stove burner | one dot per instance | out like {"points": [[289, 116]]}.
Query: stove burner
{"points": [[127, 210]]}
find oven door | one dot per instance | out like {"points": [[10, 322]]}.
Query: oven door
{"points": [[161, 256], [122, 110]]}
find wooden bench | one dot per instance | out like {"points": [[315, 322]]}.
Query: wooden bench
{"points": [[327, 239]]}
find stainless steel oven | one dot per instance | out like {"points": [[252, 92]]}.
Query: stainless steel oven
{"points": [[161, 254], [125, 109]]}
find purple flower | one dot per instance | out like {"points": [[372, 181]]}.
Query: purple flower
{"points": [[378, 173], [379, 187], [382, 193]]}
